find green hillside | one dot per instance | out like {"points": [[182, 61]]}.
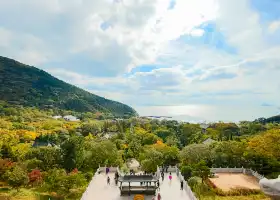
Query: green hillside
{"points": [[25, 85]]}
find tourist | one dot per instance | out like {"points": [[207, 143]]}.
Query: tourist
{"points": [[162, 175], [158, 186], [170, 176], [116, 178], [108, 180], [159, 196], [107, 170], [182, 184]]}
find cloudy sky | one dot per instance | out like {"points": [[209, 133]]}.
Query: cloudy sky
{"points": [[191, 59]]}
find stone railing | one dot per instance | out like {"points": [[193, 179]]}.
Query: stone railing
{"points": [[186, 186], [228, 170], [120, 172], [112, 169], [238, 170], [169, 169], [254, 173]]}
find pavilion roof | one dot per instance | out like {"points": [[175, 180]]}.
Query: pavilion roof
{"points": [[138, 178]]}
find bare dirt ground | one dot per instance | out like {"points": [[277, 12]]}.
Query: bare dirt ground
{"points": [[227, 181]]}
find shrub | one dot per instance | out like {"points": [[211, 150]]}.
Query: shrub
{"points": [[35, 177], [186, 172], [60, 182], [16, 177], [88, 176]]}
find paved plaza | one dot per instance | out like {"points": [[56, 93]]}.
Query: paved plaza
{"points": [[98, 189]]}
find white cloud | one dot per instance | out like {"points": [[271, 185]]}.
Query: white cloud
{"points": [[197, 32], [274, 26]]}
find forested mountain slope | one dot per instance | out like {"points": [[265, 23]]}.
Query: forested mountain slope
{"points": [[29, 86]]}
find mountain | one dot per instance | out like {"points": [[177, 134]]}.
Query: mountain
{"points": [[273, 119], [25, 85]]}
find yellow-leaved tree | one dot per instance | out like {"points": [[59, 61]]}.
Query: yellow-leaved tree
{"points": [[267, 143]]}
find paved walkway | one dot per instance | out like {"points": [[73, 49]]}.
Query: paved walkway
{"points": [[98, 189]]}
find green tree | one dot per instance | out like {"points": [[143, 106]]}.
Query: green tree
{"points": [[100, 153], [164, 133], [188, 132], [186, 171], [195, 153], [16, 177], [73, 153], [48, 157], [201, 170], [150, 159]]}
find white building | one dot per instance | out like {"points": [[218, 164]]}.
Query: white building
{"points": [[57, 117], [71, 118]]}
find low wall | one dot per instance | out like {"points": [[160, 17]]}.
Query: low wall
{"points": [[186, 186], [238, 170], [227, 170], [169, 169], [112, 169]]}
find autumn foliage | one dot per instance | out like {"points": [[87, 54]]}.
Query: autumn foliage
{"points": [[35, 176]]}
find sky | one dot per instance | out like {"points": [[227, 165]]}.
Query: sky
{"points": [[190, 59]]}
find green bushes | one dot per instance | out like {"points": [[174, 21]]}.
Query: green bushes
{"points": [[58, 181], [237, 192], [16, 177]]}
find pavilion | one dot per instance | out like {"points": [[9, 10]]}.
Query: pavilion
{"points": [[138, 184]]}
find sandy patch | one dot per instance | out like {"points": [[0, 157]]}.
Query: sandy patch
{"points": [[227, 181]]}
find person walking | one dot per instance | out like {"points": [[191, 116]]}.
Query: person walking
{"points": [[116, 178], [162, 176], [170, 176], [182, 184], [108, 180], [159, 196], [107, 170], [158, 186]]}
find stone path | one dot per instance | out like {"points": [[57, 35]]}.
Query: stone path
{"points": [[98, 189]]}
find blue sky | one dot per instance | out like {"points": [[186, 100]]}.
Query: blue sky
{"points": [[190, 59]]}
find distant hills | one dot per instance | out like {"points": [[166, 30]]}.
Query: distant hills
{"points": [[25, 85], [273, 119]]}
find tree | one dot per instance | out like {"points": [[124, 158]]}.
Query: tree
{"points": [[19, 151], [195, 153], [150, 159], [172, 141], [163, 133], [90, 128], [50, 157], [229, 154], [35, 176], [98, 153], [170, 154], [266, 144], [188, 132], [16, 177], [186, 171], [201, 170], [144, 137], [73, 153]]}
